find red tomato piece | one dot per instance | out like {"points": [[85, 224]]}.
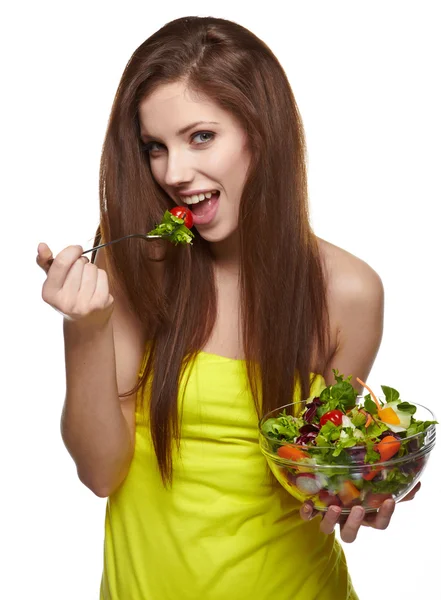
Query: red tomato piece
{"points": [[329, 499], [182, 212], [335, 416]]}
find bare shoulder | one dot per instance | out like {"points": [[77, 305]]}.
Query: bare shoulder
{"points": [[350, 279], [355, 296]]}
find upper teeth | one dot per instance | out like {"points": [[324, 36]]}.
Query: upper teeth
{"points": [[197, 197]]}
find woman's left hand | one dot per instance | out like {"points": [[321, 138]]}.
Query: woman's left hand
{"points": [[350, 525]]}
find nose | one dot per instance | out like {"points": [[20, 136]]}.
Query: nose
{"points": [[178, 170]]}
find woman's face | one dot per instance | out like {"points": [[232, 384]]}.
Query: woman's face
{"points": [[194, 147]]}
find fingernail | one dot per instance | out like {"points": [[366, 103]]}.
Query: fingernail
{"points": [[359, 512], [308, 509], [334, 512]]}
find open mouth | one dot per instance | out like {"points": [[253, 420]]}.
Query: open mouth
{"points": [[204, 211], [203, 206]]}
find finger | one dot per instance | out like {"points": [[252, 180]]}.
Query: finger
{"points": [[88, 286], [349, 531], [72, 283], [307, 511], [44, 256], [61, 266], [369, 519], [102, 297], [412, 493], [384, 515], [330, 520]]}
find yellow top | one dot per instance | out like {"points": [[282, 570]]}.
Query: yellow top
{"points": [[223, 531]]}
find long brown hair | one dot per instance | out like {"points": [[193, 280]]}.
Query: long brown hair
{"points": [[283, 304]]}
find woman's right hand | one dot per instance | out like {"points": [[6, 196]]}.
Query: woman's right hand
{"points": [[75, 287]]}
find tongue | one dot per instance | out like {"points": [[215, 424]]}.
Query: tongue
{"points": [[201, 208]]}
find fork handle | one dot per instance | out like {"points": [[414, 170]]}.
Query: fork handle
{"points": [[132, 235]]}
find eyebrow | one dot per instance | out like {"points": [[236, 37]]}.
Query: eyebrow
{"points": [[184, 129]]}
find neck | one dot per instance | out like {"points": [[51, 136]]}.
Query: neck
{"points": [[226, 253]]}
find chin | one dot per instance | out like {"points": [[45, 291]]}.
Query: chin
{"points": [[217, 234]]}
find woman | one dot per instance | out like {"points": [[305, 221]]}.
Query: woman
{"points": [[173, 353]]}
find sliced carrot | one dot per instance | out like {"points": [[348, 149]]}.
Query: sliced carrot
{"points": [[367, 415], [388, 415], [291, 453], [371, 474], [371, 393], [348, 492], [388, 447]]}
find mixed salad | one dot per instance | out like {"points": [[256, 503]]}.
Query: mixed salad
{"points": [[178, 222], [335, 430]]}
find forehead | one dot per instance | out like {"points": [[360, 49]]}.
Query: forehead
{"points": [[172, 106]]}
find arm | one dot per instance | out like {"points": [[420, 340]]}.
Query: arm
{"points": [[356, 307], [98, 429], [356, 313]]}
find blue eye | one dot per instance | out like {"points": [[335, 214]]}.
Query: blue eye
{"points": [[150, 146], [205, 133]]}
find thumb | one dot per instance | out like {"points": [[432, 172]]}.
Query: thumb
{"points": [[307, 511], [44, 256]]}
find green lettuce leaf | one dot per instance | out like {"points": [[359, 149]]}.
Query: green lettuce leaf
{"points": [[419, 426], [358, 418], [371, 455], [394, 481], [370, 405], [341, 395], [344, 443], [174, 226], [390, 394], [406, 407], [328, 433], [284, 428], [375, 429]]}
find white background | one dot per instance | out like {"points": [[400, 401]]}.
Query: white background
{"points": [[366, 78]]}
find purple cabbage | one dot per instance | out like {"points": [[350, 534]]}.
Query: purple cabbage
{"points": [[413, 445], [309, 428], [290, 477], [312, 409], [408, 467], [307, 438], [357, 454]]}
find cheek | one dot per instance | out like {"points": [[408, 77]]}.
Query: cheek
{"points": [[158, 167], [157, 170], [228, 167]]}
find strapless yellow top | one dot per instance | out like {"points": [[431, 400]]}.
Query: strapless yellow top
{"points": [[223, 531]]}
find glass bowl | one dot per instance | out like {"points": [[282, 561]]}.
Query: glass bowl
{"points": [[306, 474]]}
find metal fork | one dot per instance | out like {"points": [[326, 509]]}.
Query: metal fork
{"points": [[144, 236]]}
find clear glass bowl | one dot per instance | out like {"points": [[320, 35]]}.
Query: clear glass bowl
{"points": [[349, 481]]}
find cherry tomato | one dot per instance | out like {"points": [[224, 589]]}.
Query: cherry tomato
{"points": [[182, 212], [335, 416]]}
